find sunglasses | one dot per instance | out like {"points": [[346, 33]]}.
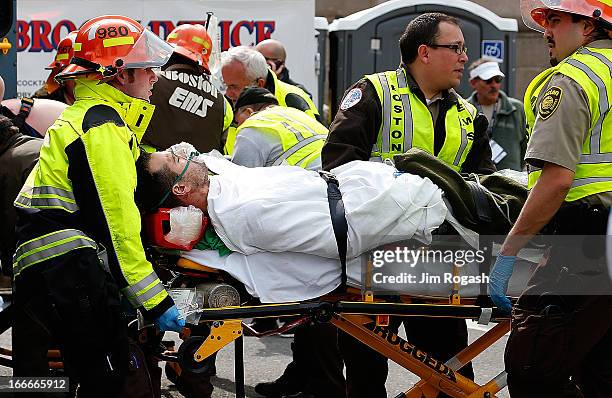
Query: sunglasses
{"points": [[496, 79]]}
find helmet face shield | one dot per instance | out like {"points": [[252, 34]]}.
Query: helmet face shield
{"points": [[107, 44], [149, 51]]}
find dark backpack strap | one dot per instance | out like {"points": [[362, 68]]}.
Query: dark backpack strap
{"points": [[338, 219], [24, 111], [26, 106], [19, 120]]}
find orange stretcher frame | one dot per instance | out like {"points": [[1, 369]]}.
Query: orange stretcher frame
{"points": [[435, 376], [352, 317], [349, 311]]}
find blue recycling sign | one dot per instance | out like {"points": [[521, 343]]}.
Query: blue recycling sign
{"points": [[493, 50]]}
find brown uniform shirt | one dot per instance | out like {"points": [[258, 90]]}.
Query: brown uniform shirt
{"points": [[559, 136], [188, 107], [354, 130]]}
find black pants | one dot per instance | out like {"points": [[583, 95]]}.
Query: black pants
{"points": [[561, 339], [70, 299], [317, 366], [366, 369], [316, 351]]}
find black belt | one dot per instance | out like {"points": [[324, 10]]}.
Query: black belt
{"points": [[579, 219], [338, 219], [479, 194]]}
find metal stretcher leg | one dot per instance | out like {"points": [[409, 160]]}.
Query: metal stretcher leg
{"points": [[239, 366], [422, 388], [436, 374]]}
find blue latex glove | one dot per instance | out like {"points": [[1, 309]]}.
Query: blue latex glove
{"points": [[169, 320], [498, 281]]}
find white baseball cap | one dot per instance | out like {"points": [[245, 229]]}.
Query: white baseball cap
{"points": [[486, 70]]}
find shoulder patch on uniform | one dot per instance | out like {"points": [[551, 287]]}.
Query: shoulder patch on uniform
{"points": [[550, 102], [98, 115], [351, 98]]}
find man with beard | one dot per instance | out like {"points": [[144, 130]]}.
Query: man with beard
{"points": [[561, 339]]}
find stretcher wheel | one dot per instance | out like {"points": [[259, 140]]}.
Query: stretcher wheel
{"points": [[186, 352]]}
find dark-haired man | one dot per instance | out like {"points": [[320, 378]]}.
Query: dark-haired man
{"points": [[271, 135], [78, 203], [561, 339], [385, 114]]}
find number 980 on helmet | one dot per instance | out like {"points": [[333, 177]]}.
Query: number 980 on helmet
{"points": [[108, 44]]}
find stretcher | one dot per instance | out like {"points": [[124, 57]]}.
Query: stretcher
{"points": [[363, 316], [358, 312]]}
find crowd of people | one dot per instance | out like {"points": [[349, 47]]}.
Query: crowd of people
{"points": [[82, 160]]}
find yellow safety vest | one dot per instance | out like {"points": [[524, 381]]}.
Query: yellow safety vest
{"points": [[228, 148], [301, 136], [406, 122], [93, 145], [591, 68], [228, 114], [282, 89]]}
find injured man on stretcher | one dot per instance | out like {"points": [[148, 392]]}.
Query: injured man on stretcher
{"points": [[276, 220]]}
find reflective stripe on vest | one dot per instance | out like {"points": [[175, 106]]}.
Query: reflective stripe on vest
{"points": [[407, 122], [592, 70], [49, 246], [301, 137], [47, 197], [144, 290]]}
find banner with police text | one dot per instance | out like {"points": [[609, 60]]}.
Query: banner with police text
{"points": [[42, 24]]}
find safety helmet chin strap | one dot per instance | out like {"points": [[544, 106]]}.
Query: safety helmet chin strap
{"points": [[105, 71]]}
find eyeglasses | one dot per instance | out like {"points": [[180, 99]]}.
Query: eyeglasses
{"points": [[496, 79], [236, 87], [457, 48]]}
